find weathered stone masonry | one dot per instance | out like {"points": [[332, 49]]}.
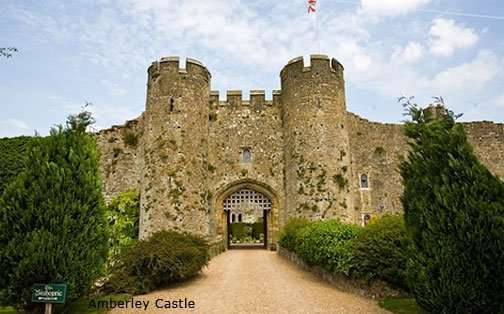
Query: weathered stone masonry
{"points": [[312, 158]]}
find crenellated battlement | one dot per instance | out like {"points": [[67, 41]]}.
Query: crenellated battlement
{"points": [[234, 98], [318, 63], [172, 65]]}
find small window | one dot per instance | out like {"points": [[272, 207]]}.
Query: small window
{"points": [[171, 105], [364, 181], [366, 219], [233, 217], [247, 155], [239, 217]]}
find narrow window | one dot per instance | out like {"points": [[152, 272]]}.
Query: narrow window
{"points": [[233, 217], [366, 219], [171, 105], [239, 217], [364, 182], [247, 155]]}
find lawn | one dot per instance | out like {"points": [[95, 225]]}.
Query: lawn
{"points": [[79, 306], [400, 305]]}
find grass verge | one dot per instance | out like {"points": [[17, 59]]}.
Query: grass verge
{"points": [[400, 305]]}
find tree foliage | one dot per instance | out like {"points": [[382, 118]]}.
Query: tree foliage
{"points": [[12, 158], [122, 214], [52, 226], [7, 52], [454, 211]]}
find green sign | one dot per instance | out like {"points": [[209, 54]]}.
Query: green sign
{"points": [[49, 292]]}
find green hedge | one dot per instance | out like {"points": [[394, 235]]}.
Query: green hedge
{"points": [[380, 251], [289, 236], [257, 230], [239, 230], [377, 251], [322, 243], [327, 243], [164, 258]]}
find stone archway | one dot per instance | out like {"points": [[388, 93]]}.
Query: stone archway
{"points": [[259, 194]]}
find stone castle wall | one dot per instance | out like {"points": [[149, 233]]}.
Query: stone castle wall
{"points": [[237, 125], [316, 144], [185, 153], [120, 159]]}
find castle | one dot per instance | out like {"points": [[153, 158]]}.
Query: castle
{"points": [[195, 158]]}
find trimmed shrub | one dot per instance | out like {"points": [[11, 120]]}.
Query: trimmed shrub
{"points": [[289, 238], [122, 216], [257, 230], [240, 230], [380, 251], [52, 225], [327, 244], [454, 210], [164, 258]]}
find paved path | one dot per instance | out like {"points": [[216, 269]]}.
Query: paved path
{"points": [[258, 281]]}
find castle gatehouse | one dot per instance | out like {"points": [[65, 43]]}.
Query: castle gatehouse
{"points": [[202, 163]]}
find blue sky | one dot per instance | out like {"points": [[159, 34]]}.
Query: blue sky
{"points": [[98, 51]]}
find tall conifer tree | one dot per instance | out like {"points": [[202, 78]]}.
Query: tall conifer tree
{"points": [[52, 226], [454, 211]]}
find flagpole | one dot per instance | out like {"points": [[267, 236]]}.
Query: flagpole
{"points": [[312, 9], [317, 32]]}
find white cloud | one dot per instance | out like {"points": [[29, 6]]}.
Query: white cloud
{"points": [[14, 127], [470, 76], [446, 36], [391, 7], [409, 54]]}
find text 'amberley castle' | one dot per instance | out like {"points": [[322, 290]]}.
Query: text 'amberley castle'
{"points": [[194, 157]]}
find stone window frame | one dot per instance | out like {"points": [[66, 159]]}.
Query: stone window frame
{"points": [[246, 150], [364, 178]]}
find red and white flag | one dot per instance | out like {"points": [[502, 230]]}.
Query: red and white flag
{"points": [[312, 6]]}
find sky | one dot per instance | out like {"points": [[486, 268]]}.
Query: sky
{"points": [[98, 51]]}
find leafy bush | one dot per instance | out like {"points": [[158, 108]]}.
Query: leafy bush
{"points": [[380, 251], [327, 244], [52, 225], [122, 215], [454, 210], [165, 257], [289, 238]]}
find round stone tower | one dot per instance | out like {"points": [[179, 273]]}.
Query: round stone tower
{"points": [[316, 145], [173, 183]]}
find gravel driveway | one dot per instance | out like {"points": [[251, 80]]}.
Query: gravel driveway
{"points": [[256, 281]]}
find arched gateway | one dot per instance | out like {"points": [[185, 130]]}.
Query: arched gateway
{"points": [[247, 217], [246, 214]]}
